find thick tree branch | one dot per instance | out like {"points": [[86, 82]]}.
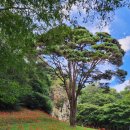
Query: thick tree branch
{"points": [[86, 76]]}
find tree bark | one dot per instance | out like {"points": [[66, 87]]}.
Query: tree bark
{"points": [[73, 107], [72, 93], [73, 110]]}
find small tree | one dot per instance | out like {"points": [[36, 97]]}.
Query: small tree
{"points": [[77, 57]]}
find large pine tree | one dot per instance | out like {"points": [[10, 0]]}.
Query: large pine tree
{"points": [[77, 57]]}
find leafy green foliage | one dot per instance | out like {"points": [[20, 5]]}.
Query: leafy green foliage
{"points": [[39, 97], [37, 100], [107, 110], [10, 94], [15, 43], [29, 88], [41, 10], [97, 96], [17, 49]]}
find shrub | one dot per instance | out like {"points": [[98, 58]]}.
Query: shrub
{"points": [[10, 92], [37, 100]]}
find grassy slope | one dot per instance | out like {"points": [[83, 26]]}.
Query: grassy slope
{"points": [[32, 120]]}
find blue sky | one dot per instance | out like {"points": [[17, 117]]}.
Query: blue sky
{"points": [[120, 29]]}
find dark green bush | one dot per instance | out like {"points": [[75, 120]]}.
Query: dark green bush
{"points": [[38, 101]]}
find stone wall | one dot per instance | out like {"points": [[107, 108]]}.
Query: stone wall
{"points": [[60, 103]]}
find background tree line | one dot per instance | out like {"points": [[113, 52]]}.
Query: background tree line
{"points": [[105, 109]]}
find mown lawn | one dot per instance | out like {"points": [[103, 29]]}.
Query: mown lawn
{"points": [[33, 120]]}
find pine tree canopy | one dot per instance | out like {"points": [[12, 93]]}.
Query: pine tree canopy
{"points": [[77, 53]]}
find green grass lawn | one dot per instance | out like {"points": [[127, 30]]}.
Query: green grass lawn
{"points": [[33, 120], [46, 126]]}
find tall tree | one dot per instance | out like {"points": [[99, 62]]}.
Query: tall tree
{"points": [[77, 57]]}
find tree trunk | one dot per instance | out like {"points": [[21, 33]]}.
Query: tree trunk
{"points": [[72, 93], [73, 109]]}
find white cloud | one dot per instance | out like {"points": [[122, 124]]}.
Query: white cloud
{"points": [[122, 86], [107, 81], [125, 43], [103, 66], [78, 7], [95, 29]]}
